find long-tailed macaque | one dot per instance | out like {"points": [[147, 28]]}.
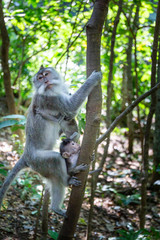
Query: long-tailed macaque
{"points": [[42, 134], [70, 152]]}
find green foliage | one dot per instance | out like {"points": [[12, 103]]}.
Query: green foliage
{"points": [[81, 122], [18, 145], [13, 121], [52, 33], [130, 199], [48, 33], [53, 235], [82, 221], [2, 170], [31, 186], [40, 33], [142, 234]]}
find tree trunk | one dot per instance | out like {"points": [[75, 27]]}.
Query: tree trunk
{"points": [[130, 94], [133, 30], [93, 116], [124, 91], [45, 214], [136, 24], [144, 179], [5, 64], [156, 175], [108, 121]]}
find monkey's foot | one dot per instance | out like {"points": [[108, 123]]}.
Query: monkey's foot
{"points": [[74, 181], [59, 212]]}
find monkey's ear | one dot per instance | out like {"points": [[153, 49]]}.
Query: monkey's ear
{"points": [[66, 155], [41, 67]]}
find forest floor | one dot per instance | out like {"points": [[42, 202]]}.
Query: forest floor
{"points": [[116, 205]]}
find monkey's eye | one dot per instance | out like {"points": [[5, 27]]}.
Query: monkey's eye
{"points": [[46, 73], [40, 77], [72, 143]]}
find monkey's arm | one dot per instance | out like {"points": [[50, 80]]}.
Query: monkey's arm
{"points": [[75, 101], [48, 116]]}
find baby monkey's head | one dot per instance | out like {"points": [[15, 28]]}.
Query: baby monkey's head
{"points": [[68, 147]]}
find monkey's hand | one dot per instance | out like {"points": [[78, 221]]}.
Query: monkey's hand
{"points": [[74, 181], [37, 110], [96, 76], [43, 114], [75, 137]]}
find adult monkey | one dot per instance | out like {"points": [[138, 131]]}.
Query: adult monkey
{"points": [[50, 99]]}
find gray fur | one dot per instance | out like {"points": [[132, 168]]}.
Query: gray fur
{"points": [[42, 134]]}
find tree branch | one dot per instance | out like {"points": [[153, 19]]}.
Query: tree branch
{"points": [[70, 45], [125, 112]]}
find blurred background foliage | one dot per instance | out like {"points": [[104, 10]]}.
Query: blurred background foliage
{"points": [[52, 33]]}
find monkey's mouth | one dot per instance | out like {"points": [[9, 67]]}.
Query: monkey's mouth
{"points": [[49, 86]]}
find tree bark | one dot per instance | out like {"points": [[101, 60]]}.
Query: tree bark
{"points": [[137, 78], [94, 178], [130, 94], [144, 179], [124, 90], [93, 116], [156, 175], [45, 214], [5, 64]]}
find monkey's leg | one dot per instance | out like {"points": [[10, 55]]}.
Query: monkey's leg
{"points": [[53, 167], [17, 168], [57, 191], [50, 164]]}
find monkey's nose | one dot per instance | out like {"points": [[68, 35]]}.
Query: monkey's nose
{"points": [[46, 80]]}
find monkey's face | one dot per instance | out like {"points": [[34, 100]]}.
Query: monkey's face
{"points": [[72, 148], [47, 80]]}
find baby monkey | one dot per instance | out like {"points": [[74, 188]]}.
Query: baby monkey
{"points": [[70, 151]]}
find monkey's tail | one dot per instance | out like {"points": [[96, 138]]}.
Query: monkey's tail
{"points": [[16, 169]]}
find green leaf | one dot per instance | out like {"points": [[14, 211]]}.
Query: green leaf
{"points": [[8, 123], [82, 221], [13, 121], [3, 172], [15, 116], [52, 234]]}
